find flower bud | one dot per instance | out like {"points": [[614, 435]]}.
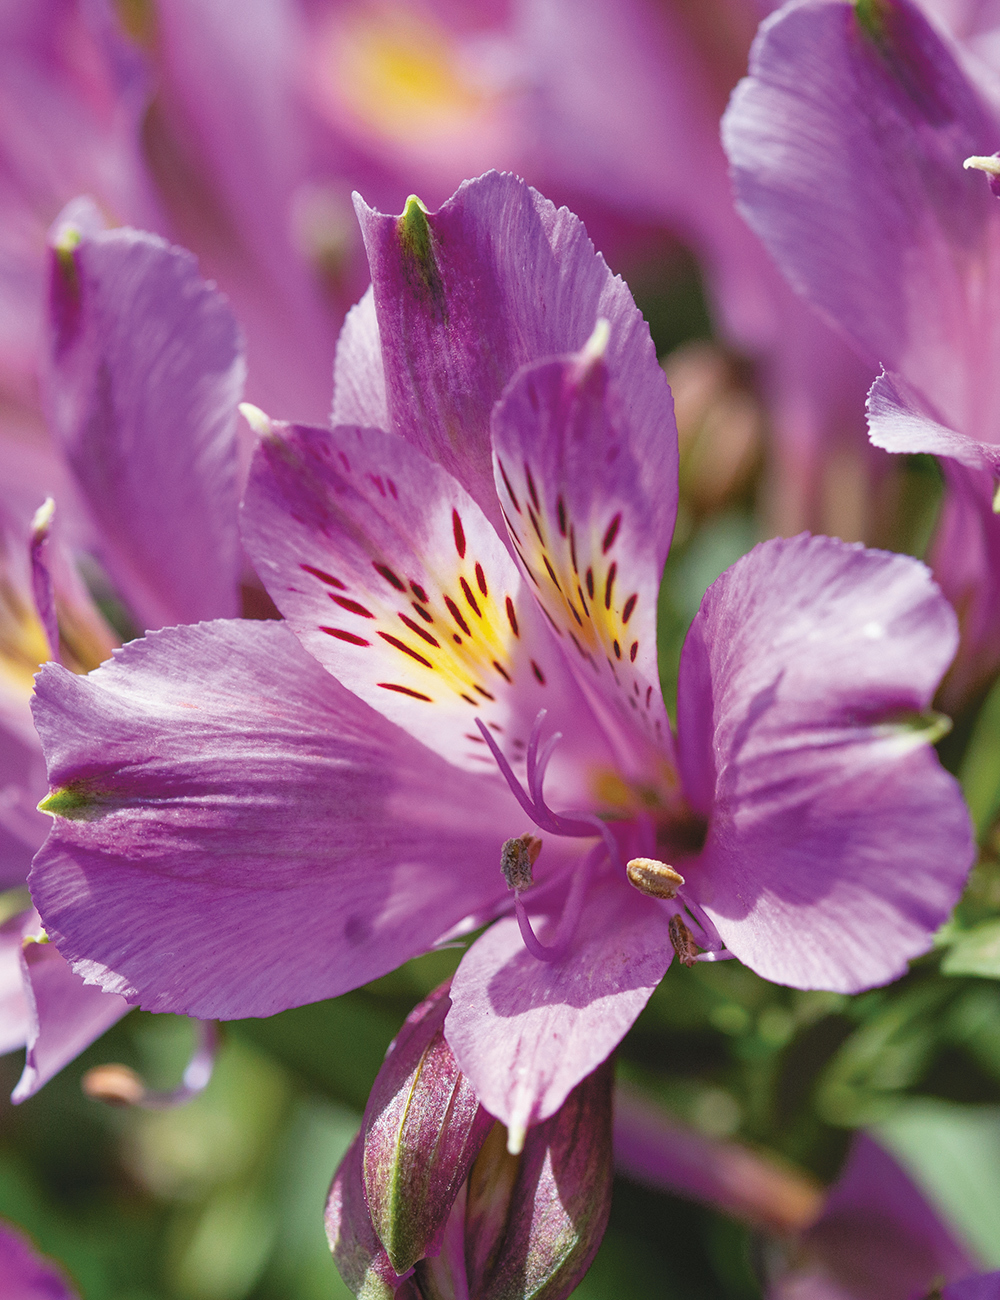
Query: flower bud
{"points": [[429, 1205]]}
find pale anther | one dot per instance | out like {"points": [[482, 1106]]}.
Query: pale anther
{"points": [[653, 878], [517, 857], [989, 163]]}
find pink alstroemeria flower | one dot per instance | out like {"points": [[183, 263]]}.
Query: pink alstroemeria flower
{"points": [[849, 141], [252, 816], [145, 368]]}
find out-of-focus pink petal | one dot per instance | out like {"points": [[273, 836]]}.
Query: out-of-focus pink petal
{"points": [[27, 1275], [803, 680], [15, 1017], [146, 368], [235, 833]]}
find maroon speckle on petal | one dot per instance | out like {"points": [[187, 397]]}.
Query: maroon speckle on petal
{"points": [[419, 592], [478, 739], [351, 606], [590, 583], [629, 607], [341, 635], [609, 585], [425, 614], [561, 512], [618, 650], [404, 690], [512, 617], [459, 531], [649, 695], [502, 671], [535, 524], [390, 577], [481, 580], [611, 534], [483, 692], [392, 489], [583, 600], [401, 645], [538, 673], [415, 627], [456, 614], [634, 651], [456, 638], [551, 573], [468, 699], [572, 547], [328, 578], [469, 597]]}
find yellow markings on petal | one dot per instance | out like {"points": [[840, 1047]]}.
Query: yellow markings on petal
{"points": [[402, 74]]}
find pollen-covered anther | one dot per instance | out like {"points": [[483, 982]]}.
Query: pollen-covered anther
{"points": [[517, 857], [683, 941], [653, 878]]}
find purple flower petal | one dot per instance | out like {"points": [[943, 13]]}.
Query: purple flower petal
{"points": [[847, 142], [393, 579], [146, 370], [14, 1013], [527, 1031], [984, 1287], [899, 419], [235, 833], [27, 1275], [590, 501], [65, 1016], [358, 378], [465, 296], [802, 683]]}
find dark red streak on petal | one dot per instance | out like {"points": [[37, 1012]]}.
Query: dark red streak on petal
{"points": [[552, 573], [470, 598], [611, 534], [590, 583], [468, 699], [404, 690], [389, 576], [456, 614], [572, 548], [535, 525], [583, 600], [634, 651], [481, 580], [341, 635], [629, 607], [502, 671], [425, 614], [351, 606], [328, 578], [401, 645], [649, 693], [531, 487], [561, 512], [484, 693], [512, 617], [419, 592], [609, 585], [478, 739], [572, 610], [538, 673], [415, 627], [618, 650], [459, 531], [510, 491]]}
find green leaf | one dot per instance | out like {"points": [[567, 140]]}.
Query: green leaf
{"points": [[975, 952]]}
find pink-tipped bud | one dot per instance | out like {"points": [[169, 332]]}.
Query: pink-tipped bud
{"points": [[429, 1205]]}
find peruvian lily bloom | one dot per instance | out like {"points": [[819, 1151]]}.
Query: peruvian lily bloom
{"points": [[145, 370], [461, 716], [855, 143]]}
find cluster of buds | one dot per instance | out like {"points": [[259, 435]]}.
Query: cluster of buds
{"points": [[428, 1203]]}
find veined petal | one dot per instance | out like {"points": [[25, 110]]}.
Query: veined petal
{"points": [[65, 1016], [589, 501], [145, 371], [393, 578], [847, 142], [497, 278], [899, 419], [360, 1257], [837, 844], [527, 1031], [235, 833], [358, 378]]}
